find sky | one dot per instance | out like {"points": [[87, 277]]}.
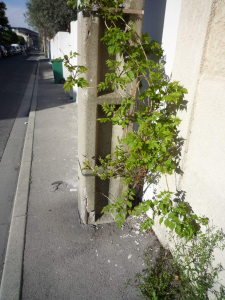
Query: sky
{"points": [[15, 11]]}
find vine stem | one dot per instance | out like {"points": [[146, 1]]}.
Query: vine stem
{"points": [[167, 183]]}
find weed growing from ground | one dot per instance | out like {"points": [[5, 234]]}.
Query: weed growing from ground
{"points": [[189, 274]]}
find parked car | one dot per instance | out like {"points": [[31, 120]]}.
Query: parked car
{"points": [[14, 49], [9, 50], [3, 51], [17, 47]]}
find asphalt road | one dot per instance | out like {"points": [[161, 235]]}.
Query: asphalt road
{"points": [[15, 73]]}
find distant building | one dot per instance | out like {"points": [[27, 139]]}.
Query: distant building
{"points": [[31, 37]]}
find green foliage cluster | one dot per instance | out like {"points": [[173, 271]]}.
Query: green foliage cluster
{"points": [[4, 22], [189, 274], [150, 101], [49, 16], [7, 36], [76, 71], [21, 40], [100, 5]]}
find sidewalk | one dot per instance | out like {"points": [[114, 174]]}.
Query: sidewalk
{"points": [[64, 259]]}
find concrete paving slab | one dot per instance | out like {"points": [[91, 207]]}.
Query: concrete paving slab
{"points": [[65, 259]]}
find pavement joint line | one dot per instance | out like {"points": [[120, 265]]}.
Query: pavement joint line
{"points": [[11, 284]]}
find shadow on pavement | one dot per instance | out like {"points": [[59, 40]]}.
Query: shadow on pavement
{"points": [[14, 77]]}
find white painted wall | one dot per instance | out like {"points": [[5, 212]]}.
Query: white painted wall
{"points": [[195, 51], [60, 45], [54, 47], [64, 48], [170, 28]]}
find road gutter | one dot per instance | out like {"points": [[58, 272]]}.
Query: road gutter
{"points": [[11, 285]]}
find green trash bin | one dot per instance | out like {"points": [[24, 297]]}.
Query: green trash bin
{"points": [[57, 68]]}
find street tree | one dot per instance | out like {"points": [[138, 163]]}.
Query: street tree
{"points": [[9, 37], [21, 40], [4, 22], [49, 16]]}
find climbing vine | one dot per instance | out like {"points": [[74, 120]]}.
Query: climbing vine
{"points": [[150, 101]]}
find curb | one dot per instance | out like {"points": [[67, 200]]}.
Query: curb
{"points": [[11, 285]]}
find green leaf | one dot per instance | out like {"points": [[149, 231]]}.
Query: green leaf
{"points": [[130, 75], [184, 90], [121, 201], [171, 215], [171, 225], [129, 204], [167, 223]]}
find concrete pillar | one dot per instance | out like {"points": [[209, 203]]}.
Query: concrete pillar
{"points": [[95, 139], [73, 36]]}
